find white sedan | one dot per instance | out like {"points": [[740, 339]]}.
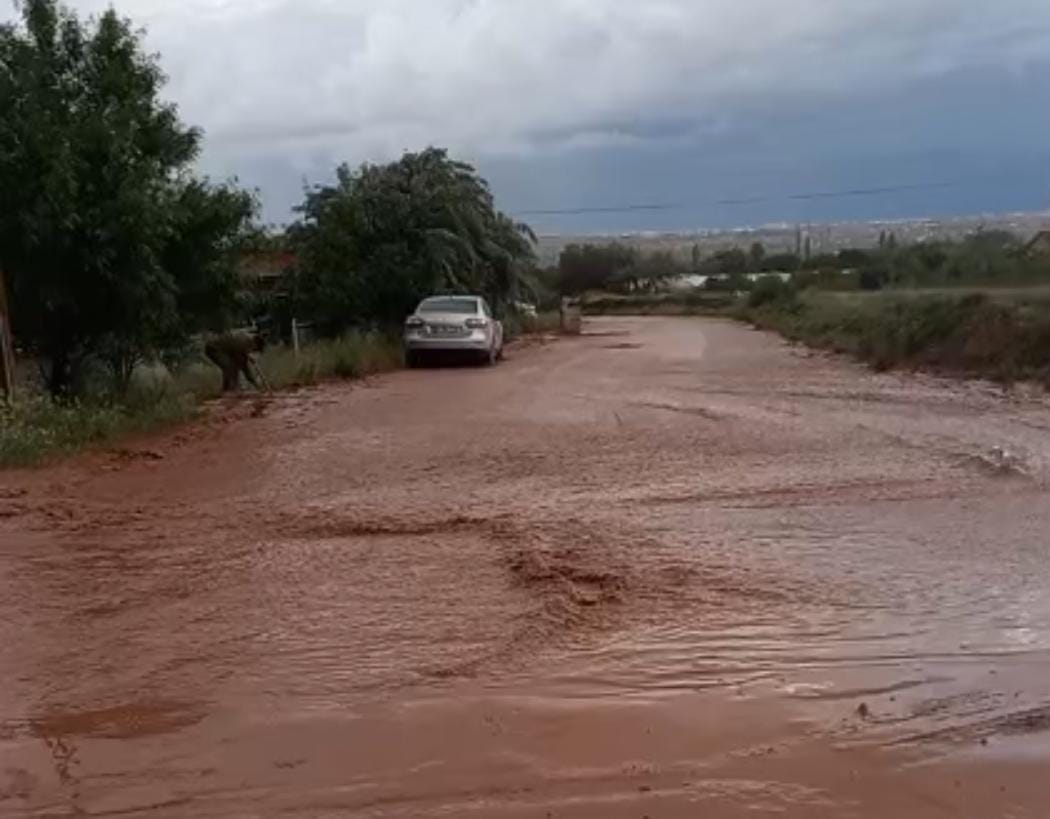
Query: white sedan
{"points": [[453, 324]]}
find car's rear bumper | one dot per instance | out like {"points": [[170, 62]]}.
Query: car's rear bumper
{"points": [[469, 344]]}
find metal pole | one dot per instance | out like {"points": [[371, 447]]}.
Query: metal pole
{"points": [[7, 347]]}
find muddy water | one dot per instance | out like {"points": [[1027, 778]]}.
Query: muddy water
{"points": [[668, 568]]}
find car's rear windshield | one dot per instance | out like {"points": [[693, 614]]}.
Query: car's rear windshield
{"points": [[462, 306]]}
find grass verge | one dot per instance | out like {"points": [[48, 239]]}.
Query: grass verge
{"points": [[35, 428], [1002, 337], [355, 355], [515, 326]]}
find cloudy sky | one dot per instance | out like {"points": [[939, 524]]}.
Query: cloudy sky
{"points": [[726, 111]]}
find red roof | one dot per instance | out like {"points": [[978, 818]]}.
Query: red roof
{"points": [[267, 263]]}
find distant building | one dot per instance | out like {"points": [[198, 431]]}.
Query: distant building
{"points": [[685, 282], [779, 274], [264, 268], [1039, 245]]}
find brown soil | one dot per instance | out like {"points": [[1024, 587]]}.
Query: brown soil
{"points": [[694, 573]]}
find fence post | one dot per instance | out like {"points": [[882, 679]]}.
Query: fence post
{"points": [[295, 337], [571, 317], [7, 348]]}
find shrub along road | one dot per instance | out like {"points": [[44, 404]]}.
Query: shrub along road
{"points": [[670, 567]]}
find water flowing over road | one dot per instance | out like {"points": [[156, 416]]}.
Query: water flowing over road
{"points": [[671, 568]]}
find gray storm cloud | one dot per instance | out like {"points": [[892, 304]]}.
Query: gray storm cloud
{"points": [[380, 75], [308, 82]]}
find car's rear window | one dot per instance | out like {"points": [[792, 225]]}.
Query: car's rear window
{"points": [[451, 305]]}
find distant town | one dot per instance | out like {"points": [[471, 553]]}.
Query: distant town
{"points": [[826, 237]]}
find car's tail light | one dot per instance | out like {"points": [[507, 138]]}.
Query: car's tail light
{"points": [[476, 323]]}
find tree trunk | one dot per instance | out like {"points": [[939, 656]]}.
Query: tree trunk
{"points": [[7, 350], [60, 375], [122, 367]]}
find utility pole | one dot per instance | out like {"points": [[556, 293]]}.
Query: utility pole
{"points": [[7, 347]]}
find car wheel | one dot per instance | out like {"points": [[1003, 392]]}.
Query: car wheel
{"points": [[491, 357], [411, 359]]}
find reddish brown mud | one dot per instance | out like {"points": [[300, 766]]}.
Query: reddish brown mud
{"points": [[671, 568]]}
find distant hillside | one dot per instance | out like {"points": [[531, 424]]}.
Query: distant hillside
{"points": [[826, 237]]}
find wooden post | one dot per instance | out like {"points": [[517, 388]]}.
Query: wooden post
{"points": [[7, 346], [295, 337]]}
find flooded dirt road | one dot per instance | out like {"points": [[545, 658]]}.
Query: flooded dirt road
{"points": [[672, 568]]}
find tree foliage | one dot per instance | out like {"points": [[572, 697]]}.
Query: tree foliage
{"points": [[757, 255], [382, 237], [614, 267], [985, 258], [726, 263], [111, 247], [593, 267]]}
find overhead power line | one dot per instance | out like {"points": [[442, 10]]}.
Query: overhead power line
{"points": [[872, 191], [748, 200], [606, 209]]}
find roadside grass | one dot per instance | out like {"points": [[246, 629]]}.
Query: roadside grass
{"points": [[35, 428], [542, 323], [354, 355], [516, 325], [1002, 336]]}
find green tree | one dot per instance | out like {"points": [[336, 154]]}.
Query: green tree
{"points": [[852, 257], [781, 263], [646, 271], [107, 239], [985, 257], [757, 255], [726, 263], [384, 236], [597, 267]]}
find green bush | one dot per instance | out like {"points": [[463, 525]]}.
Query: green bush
{"points": [[771, 290], [1001, 339]]}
